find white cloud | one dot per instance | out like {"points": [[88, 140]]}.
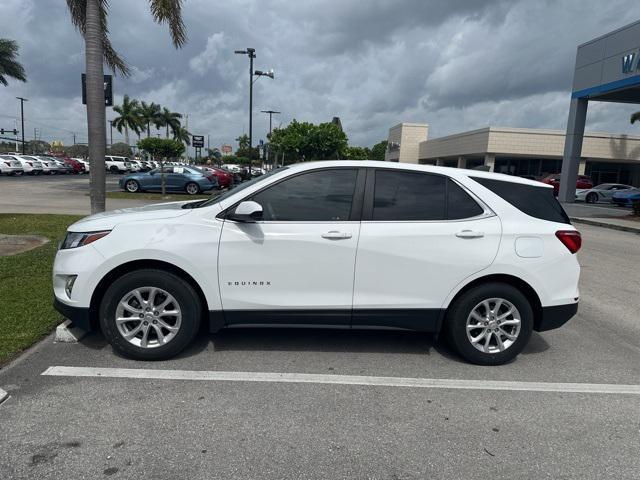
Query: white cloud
{"points": [[203, 62]]}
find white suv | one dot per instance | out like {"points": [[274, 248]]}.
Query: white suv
{"points": [[116, 164], [486, 258]]}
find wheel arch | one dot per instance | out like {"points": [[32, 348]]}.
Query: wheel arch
{"points": [[527, 290], [113, 274]]}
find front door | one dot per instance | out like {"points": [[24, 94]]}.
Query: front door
{"points": [[297, 264], [422, 234]]}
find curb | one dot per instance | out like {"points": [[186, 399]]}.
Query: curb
{"points": [[67, 333], [612, 226], [3, 395]]}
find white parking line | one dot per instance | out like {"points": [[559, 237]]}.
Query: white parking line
{"points": [[341, 380]]}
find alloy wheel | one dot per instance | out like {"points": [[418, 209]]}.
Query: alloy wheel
{"points": [[148, 317], [132, 186], [493, 325]]}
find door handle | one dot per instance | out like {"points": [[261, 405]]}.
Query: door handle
{"points": [[335, 235], [469, 234]]}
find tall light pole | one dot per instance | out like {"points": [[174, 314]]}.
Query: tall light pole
{"points": [[271, 113], [251, 53], [110, 133], [22, 100]]}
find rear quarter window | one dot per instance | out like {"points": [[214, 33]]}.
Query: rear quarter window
{"points": [[538, 202]]}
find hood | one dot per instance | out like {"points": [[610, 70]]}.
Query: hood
{"points": [[108, 220]]}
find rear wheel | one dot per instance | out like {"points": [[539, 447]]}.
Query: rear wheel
{"points": [[150, 314], [132, 186], [192, 188], [113, 169], [592, 197], [490, 324]]}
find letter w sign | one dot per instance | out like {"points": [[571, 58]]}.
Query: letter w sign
{"points": [[627, 62]]}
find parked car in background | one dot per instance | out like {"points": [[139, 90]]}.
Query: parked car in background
{"points": [[115, 164], [177, 179], [486, 259], [225, 179], [49, 165], [77, 166], [626, 198], [232, 167], [63, 167], [31, 166], [600, 193], [9, 165], [84, 162], [583, 182]]}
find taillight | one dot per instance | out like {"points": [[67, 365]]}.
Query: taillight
{"points": [[571, 239]]}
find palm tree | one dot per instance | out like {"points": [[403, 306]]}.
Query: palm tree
{"points": [[129, 117], [9, 65], [635, 117], [183, 135], [90, 18], [170, 120], [149, 113]]}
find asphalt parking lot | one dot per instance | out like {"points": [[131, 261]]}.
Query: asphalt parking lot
{"points": [[159, 422], [55, 194]]}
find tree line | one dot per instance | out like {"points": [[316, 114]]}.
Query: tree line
{"points": [[138, 117]]}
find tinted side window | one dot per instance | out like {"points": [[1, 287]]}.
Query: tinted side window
{"points": [[321, 196], [538, 202], [460, 204], [408, 196]]}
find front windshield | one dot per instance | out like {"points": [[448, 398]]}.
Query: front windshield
{"points": [[239, 188]]}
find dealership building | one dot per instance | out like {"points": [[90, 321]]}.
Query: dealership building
{"points": [[605, 157], [607, 69]]}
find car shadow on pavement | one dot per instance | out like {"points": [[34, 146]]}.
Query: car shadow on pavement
{"points": [[322, 340]]}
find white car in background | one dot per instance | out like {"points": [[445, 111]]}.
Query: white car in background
{"points": [[30, 165], [601, 193], [48, 165], [232, 167], [10, 166], [115, 164], [485, 258]]}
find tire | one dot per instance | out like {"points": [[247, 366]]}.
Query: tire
{"points": [[184, 299], [459, 316], [113, 169], [592, 198], [192, 188], [132, 186]]}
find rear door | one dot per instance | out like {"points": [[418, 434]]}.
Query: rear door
{"points": [[421, 235], [296, 266]]}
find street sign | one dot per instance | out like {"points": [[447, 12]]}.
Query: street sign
{"points": [[197, 141], [226, 149], [108, 90]]}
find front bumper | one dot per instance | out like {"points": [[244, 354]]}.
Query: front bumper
{"points": [[79, 316], [555, 317]]}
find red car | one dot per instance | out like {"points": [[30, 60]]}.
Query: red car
{"points": [[76, 166], [225, 179], [583, 182]]}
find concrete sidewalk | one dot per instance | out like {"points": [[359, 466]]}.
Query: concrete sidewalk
{"points": [[623, 224]]}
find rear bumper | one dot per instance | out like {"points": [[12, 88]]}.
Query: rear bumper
{"points": [[79, 316], [555, 317]]}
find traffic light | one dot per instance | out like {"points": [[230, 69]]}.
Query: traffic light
{"points": [[13, 132]]}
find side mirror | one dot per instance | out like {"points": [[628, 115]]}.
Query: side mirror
{"points": [[246, 212]]}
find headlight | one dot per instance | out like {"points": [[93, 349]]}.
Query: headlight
{"points": [[78, 239]]}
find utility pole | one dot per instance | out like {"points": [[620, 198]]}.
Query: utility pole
{"points": [[111, 133], [74, 138], [22, 100], [251, 53], [15, 127], [271, 113]]}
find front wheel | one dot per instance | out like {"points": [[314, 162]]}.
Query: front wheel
{"points": [[150, 314], [592, 198], [490, 324], [132, 186], [192, 188]]}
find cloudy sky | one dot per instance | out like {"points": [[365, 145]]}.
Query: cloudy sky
{"points": [[455, 64]]}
